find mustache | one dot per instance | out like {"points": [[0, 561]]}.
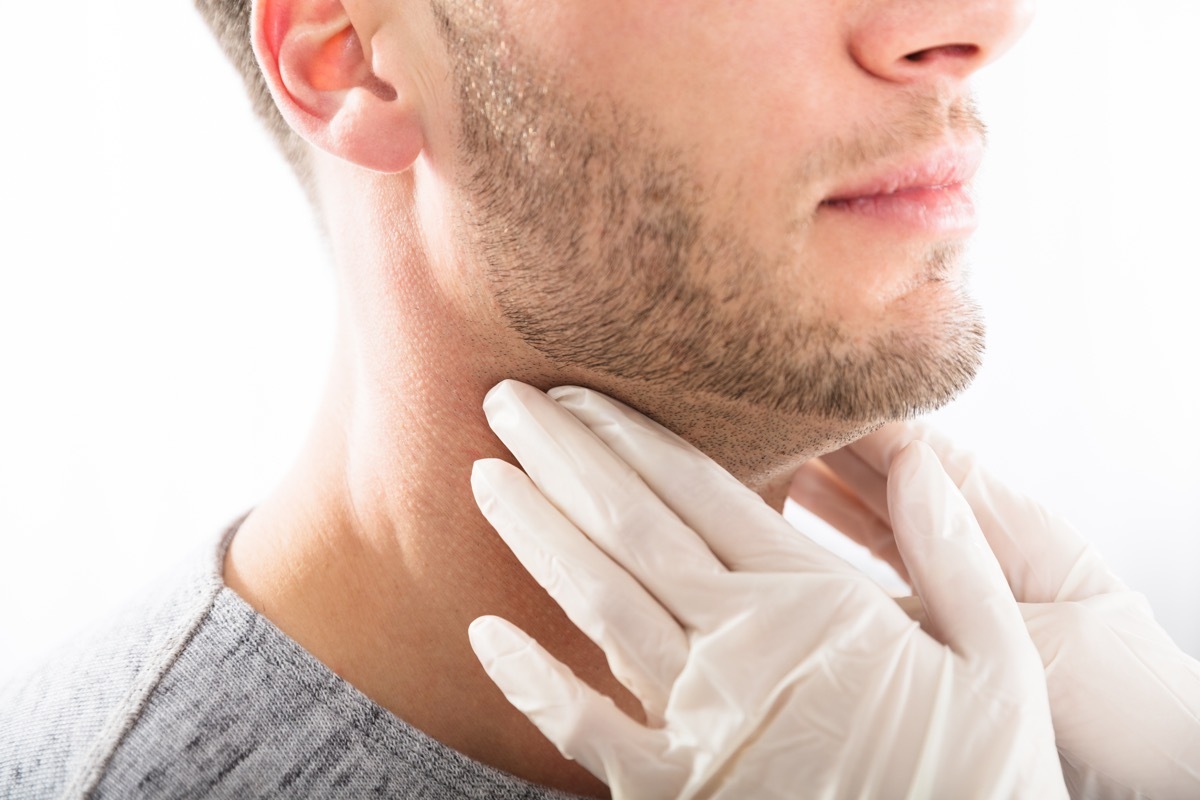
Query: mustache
{"points": [[926, 120]]}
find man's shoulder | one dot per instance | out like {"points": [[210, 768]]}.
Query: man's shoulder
{"points": [[195, 694], [61, 720]]}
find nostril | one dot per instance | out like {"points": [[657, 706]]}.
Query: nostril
{"points": [[945, 51]]}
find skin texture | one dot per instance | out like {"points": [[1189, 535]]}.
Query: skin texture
{"points": [[623, 195], [674, 295]]}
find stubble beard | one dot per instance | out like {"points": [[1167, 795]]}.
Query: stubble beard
{"points": [[593, 240]]}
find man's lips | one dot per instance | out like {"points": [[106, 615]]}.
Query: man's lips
{"points": [[926, 195]]}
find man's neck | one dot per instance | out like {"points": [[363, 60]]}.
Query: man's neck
{"points": [[374, 557]]}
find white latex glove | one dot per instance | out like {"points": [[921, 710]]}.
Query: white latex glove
{"points": [[1125, 699], [768, 667]]}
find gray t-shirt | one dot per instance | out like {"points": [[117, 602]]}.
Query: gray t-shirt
{"points": [[192, 693]]}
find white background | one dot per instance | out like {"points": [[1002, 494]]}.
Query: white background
{"points": [[166, 308]]}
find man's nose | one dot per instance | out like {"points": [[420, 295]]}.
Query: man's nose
{"points": [[925, 41]]}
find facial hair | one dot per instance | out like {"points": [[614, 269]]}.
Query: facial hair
{"points": [[598, 244]]}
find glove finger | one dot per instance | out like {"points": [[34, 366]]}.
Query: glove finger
{"points": [[712, 502], [968, 602], [645, 647], [868, 484], [820, 491], [1043, 557], [879, 449], [583, 724], [605, 499], [1090, 647]]}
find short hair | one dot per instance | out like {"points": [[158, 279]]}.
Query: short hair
{"points": [[230, 23]]}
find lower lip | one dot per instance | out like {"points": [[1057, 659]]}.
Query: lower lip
{"points": [[942, 210]]}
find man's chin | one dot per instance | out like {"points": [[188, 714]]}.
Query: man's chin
{"points": [[761, 432]]}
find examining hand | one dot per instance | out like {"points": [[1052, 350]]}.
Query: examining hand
{"points": [[1124, 698], [766, 666]]}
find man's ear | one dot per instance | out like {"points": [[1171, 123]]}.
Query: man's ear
{"points": [[314, 64]]}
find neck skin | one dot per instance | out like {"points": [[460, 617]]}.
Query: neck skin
{"points": [[372, 554]]}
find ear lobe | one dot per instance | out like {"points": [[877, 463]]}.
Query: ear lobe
{"points": [[322, 81]]}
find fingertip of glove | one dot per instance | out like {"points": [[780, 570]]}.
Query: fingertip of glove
{"points": [[913, 462], [592, 408], [597, 409], [569, 395], [506, 396], [880, 447], [484, 473], [495, 637], [508, 386], [492, 481], [919, 495]]}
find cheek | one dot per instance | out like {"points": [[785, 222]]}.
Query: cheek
{"points": [[732, 74]]}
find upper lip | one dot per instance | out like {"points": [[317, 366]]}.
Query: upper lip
{"points": [[947, 165]]}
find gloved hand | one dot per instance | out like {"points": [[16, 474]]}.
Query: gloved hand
{"points": [[1124, 698], [766, 666]]}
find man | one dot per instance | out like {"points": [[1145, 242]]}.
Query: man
{"points": [[742, 220], [681, 206]]}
